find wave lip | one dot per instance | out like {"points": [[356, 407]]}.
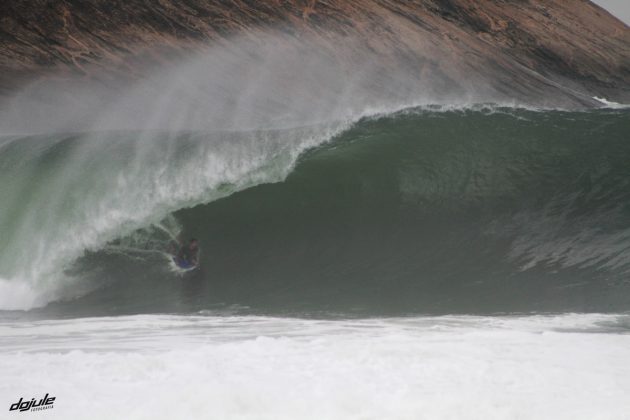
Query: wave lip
{"points": [[90, 189], [611, 104]]}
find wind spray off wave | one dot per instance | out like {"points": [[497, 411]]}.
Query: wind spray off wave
{"points": [[109, 161]]}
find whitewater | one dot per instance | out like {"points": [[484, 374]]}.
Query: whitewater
{"points": [[209, 366]]}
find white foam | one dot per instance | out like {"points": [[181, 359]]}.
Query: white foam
{"points": [[165, 367], [611, 104], [18, 295]]}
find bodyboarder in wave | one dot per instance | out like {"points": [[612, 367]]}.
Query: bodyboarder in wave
{"points": [[188, 255]]}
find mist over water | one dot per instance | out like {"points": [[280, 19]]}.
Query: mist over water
{"points": [[270, 82], [95, 177], [100, 160]]}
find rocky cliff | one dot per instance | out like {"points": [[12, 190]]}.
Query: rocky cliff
{"points": [[522, 47]]}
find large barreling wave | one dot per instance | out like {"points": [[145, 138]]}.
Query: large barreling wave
{"points": [[426, 210], [311, 188]]}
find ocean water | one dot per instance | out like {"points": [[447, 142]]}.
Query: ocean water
{"points": [[422, 211], [429, 262]]}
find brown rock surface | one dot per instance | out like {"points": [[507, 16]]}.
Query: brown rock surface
{"points": [[523, 47]]}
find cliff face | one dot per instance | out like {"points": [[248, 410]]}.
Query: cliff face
{"points": [[523, 47]]}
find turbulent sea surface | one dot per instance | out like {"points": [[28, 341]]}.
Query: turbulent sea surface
{"points": [[433, 262]]}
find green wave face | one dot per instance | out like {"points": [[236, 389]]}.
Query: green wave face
{"points": [[436, 212], [476, 211]]}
